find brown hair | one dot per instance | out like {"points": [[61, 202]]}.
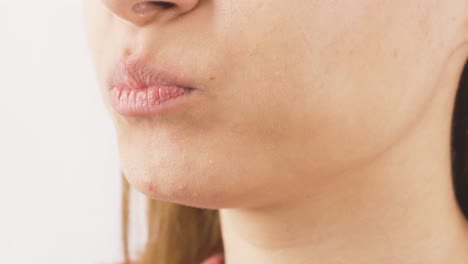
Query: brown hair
{"points": [[183, 235], [177, 234], [460, 143]]}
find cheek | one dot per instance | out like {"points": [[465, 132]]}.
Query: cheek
{"points": [[323, 82]]}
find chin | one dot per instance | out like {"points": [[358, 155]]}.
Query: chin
{"points": [[194, 188]]}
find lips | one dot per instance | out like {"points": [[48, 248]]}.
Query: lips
{"points": [[140, 88]]}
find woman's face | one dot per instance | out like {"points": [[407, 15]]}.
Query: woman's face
{"points": [[289, 93]]}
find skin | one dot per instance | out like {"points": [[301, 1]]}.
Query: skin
{"points": [[320, 128]]}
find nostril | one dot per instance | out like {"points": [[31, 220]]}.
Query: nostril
{"points": [[163, 4], [144, 7]]}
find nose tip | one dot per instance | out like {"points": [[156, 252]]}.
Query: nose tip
{"points": [[140, 12]]}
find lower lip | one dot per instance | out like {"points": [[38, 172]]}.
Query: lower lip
{"points": [[151, 100]]}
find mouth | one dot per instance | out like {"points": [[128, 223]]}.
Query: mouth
{"points": [[138, 88]]}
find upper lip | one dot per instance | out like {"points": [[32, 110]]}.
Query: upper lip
{"points": [[140, 74]]}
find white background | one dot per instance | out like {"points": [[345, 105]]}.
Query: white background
{"points": [[59, 172]]}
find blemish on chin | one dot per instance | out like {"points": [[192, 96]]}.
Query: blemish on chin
{"points": [[149, 186]]}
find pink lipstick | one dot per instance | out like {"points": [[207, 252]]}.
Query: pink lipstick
{"points": [[141, 89]]}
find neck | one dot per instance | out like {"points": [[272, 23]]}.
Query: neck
{"points": [[399, 208]]}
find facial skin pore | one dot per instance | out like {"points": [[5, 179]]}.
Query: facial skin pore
{"points": [[321, 129]]}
